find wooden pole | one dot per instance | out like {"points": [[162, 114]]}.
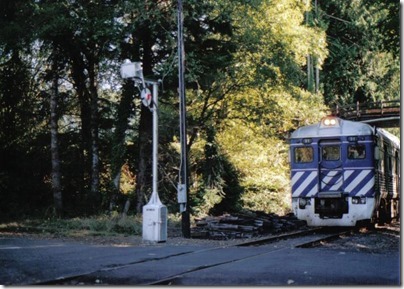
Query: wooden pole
{"points": [[183, 178]]}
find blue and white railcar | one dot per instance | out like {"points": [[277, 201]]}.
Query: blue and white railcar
{"points": [[343, 172]]}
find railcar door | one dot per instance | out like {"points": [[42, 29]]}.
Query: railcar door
{"points": [[330, 168], [330, 201]]}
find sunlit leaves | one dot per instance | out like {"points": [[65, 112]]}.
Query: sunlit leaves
{"points": [[262, 163], [274, 41], [258, 99]]}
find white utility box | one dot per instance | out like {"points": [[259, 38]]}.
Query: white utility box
{"points": [[154, 220]]}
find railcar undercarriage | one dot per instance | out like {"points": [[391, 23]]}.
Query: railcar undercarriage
{"points": [[331, 207]]}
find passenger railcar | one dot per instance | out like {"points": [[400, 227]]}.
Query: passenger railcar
{"points": [[344, 172]]}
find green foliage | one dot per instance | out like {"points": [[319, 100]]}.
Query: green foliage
{"points": [[219, 189], [262, 162], [274, 42], [259, 88], [247, 88], [361, 67], [24, 146]]}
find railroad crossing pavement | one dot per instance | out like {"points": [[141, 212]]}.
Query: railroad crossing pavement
{"points": [[31, 261]]}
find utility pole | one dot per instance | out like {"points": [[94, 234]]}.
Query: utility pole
{"points": [[183, 196], [309, 57], [317, 69]]}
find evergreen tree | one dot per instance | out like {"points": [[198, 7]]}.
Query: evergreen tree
{"points": [[361, 67]]}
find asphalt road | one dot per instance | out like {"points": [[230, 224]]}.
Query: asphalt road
{"points": [[26, 261]]}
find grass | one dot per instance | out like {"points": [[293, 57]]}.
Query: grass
{"points": [[101, 225]]}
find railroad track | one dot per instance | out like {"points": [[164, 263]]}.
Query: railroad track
{"points": [[300, 239], [267, 245], [303, 239]]}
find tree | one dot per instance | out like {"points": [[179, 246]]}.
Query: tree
{"points": [[262, 99], [247, 71], [56, 173], [156, 49], [82, 31], [24, 159], [363, 64], [118, 144], [219, 190]]}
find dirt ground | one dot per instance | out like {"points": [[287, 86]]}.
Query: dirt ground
{"points": [[380, 240]]}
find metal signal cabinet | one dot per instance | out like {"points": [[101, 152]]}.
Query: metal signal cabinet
{"points": [[154, 227], [339, 176]]}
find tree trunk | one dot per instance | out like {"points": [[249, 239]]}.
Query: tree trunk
{"points": [[126, 208], [118, 146], [144, 166], [83, 97], [95, 197], [56, 175], [143, 180]]}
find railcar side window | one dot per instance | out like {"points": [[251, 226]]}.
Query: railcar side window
{"points": [[303, 155], [356, 152], [331, 153]]}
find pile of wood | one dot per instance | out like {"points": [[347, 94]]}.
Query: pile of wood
{"points": [[243, 225]]}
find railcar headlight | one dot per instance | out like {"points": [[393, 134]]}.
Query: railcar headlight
{"points": [[358, 200], [303, 202], [329, 121]]}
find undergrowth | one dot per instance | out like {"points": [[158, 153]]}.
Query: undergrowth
{"points": [[102, 225]]}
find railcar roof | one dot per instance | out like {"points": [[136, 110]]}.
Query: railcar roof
{"points": [[346, 128], [395, 140]]}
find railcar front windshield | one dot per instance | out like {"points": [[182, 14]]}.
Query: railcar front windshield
{"points": [[331, 153], [303, 155]]}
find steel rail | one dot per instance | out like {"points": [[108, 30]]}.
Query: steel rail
{"points": [[298, 239]]}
